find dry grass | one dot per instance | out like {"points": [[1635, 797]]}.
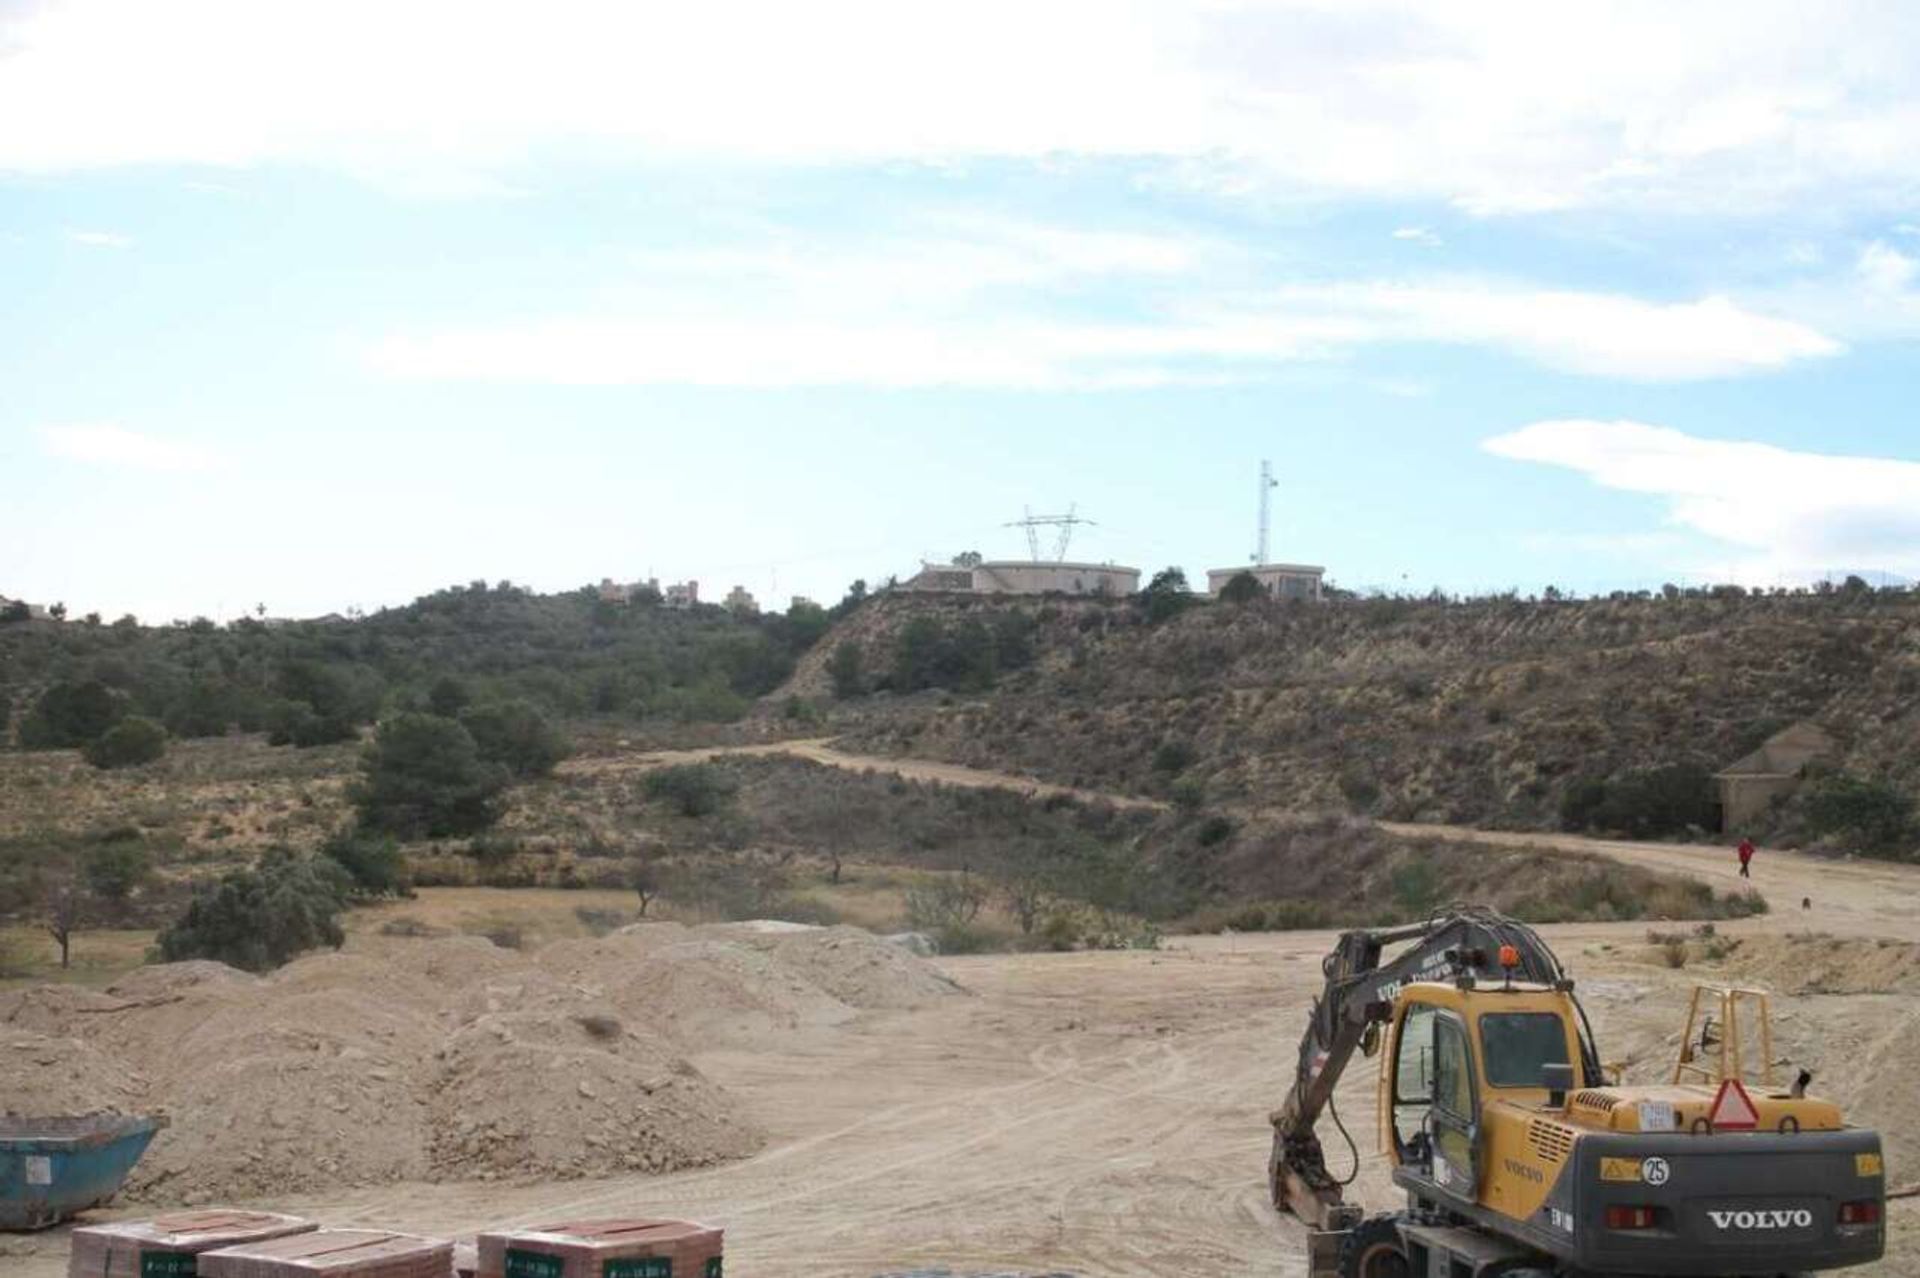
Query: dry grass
{"points": [[28, 956], [223, 800]]}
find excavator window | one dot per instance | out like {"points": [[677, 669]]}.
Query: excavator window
{"points": [[1456, 1111], [1413, 1075], [1514, 1046], [1453, 1070]]}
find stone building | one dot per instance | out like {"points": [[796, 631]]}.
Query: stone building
{"points": [[1282, 581], [1750, 786]]}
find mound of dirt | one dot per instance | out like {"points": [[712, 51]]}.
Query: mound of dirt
{"points": [[703, 992], [51, 1077], [542, 1094], [55, 1009], [1884, 1096], [400, 1058], [163, 980], [1810, 963], [285, 1109], [856, 967]]}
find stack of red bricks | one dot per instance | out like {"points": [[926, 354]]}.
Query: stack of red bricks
{"points": [[334, 1253], [168, 1246], [603, 1249]]}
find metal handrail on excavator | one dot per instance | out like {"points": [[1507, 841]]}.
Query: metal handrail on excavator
{"points": [[1723, 1041]]}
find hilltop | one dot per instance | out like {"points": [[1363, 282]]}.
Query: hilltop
{"points": [[1488, 711]]}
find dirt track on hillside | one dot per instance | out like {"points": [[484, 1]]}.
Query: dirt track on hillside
{"points": [[1854, 897]]}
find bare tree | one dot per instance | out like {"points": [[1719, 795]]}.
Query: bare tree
{"points": [[1028, 889], [644, 878], [66, 909]]}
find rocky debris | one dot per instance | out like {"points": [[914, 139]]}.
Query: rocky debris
{"points": [[49, 1077]]}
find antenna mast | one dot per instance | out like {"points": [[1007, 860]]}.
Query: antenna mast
{"points": [[1065, 523], [1267, 484]]}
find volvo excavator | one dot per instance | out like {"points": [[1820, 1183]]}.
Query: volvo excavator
{"points": [[1519, 1157]]}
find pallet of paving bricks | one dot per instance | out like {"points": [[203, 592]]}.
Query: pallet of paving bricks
{"points": [[333, 1253], [624, 1248], [168, 1246]]}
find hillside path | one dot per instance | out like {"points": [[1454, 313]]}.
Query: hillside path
{"points": [[1861, 897]]}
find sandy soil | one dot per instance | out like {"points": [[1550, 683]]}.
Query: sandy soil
{"points": [[1102, 1114], [1105, 1114]]}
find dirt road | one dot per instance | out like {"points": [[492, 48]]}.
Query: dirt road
{"points": [[1858, 897]]}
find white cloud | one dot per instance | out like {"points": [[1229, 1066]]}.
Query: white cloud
{"points": [[1600, 334], [99, 239], [1417, 235], [1498, 107], [107, 445], [1885, 269], [981, 315], [1790, 513]]}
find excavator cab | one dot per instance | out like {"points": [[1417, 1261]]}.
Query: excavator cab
{"points": [[1455, 1050]]}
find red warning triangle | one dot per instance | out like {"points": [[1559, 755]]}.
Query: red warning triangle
{"points": [[1733, 1110]]}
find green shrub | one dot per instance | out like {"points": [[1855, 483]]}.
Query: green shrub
{"points": [[117, 867], [516, 735], [1174, 756], [1647, 803], [134, 740], [374, 863], [1867, 811], [1242, 588], [847, 668], [298, 724], [1359, 789], [1165, 596], [68, 715], [694, 789], [1416, 886], [423, 776], [1582, 800], [259, 918], [1213, 831], [448, 697]]}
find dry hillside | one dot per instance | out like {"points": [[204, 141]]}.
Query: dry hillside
{"points": [[1481, 711]]}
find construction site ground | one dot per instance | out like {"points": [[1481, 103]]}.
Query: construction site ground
{"points": [[1104, 1114]]}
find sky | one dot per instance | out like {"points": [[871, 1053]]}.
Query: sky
{"points": [[309, 307]]}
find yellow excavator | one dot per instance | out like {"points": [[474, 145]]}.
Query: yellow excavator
{"points": [[1519, 1157]]}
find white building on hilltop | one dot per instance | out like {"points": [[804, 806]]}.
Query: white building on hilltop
{"points": [[1026, 577], [1282, 581]]}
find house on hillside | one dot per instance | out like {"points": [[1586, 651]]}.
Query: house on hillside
{"points": [[612, 591], [741, 603], [1747, 788], [683, 594]]}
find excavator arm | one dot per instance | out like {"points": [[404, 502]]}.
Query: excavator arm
{"points": [[1462, 942]]}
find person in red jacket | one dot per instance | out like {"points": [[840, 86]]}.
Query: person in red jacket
{"points": [[1746, 856]]}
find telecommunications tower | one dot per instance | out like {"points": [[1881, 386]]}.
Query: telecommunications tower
{"points": [[1267, 484]]}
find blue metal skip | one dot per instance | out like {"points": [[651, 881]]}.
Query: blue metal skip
{"points": [[51, 1168]]}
